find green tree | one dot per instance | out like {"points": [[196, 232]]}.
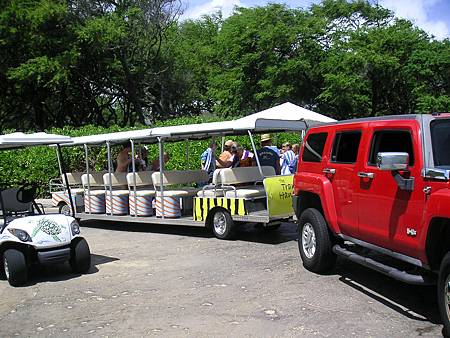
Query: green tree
{"points": [[265, 56]]}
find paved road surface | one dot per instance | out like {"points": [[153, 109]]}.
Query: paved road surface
{"points": [[177, 281]]}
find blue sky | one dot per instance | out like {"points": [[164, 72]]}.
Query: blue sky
{"points": [[431, 15]]}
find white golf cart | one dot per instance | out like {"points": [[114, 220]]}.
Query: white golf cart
{"points": [[27, 234]]}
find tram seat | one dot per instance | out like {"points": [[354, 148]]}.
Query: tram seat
{"points": [[212, 190], [118, 184], [244, 175], [179, 178], [116, 193], [95, 183], [144, 183], [94, 198], [75, 183]]}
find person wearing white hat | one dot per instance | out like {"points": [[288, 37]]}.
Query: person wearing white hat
{"points": [[266, 155]]}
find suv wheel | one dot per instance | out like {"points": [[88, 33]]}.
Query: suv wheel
{"points": [[314, 242], [444, 293]]}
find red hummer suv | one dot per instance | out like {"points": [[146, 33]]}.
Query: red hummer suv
{"points": [[377, 191]]}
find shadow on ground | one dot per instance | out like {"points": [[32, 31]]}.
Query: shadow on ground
{"points": [[412, 301], [248, 232], [63, 272]]}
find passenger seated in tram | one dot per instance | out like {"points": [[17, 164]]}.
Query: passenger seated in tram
{"points": [[242, 158], [141, 160], [267, 155], [225, 159], [155, 163], [123, 159]]}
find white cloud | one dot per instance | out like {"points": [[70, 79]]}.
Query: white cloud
{"points": [[418, 11], [210, 7]]}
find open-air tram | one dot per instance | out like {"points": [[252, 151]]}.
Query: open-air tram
{"points": [[188, 197]]}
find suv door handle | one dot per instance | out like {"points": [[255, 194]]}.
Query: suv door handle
{"points": [[329, 171], [366, 175]]}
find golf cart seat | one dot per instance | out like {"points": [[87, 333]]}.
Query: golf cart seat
{"points": [[11, 204]]}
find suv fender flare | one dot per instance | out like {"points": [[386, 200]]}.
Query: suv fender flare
{"points": [[320, 186], [436, 209]]}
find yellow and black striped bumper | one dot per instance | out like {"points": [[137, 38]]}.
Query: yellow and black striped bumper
{"points": [[202, 205]]}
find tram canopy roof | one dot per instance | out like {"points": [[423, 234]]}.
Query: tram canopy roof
{"points": [[19, 140], [285, 117], [118, 137]]}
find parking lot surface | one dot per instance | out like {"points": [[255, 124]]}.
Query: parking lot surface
{"points": [[178, 281]]}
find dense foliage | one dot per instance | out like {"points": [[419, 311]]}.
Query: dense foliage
{"points": [[132, 62]]}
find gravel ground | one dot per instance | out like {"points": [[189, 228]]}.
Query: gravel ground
{"points": [[171, 281]]}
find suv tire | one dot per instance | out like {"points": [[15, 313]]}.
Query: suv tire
{"points": [[443, 290], [314, 242]]}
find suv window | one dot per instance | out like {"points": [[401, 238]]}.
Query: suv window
{"points": [[345, 147], [313, 150], [391, 141], [440, 138]]}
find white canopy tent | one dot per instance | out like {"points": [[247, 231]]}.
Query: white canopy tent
{"points": [[285, 117], [18, 140], [287, 112]]}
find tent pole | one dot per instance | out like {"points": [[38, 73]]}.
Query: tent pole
{"points": [[256, 153], [161, 175], [133, 165], [108, 150], [86, 157]]}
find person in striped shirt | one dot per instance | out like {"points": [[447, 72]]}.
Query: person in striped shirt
{"points": [[287, 159]]}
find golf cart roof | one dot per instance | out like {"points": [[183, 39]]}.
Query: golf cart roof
{"points": [[115, 138], [18, 140], [285, 117]]}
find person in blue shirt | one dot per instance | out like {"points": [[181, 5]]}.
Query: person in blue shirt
{"points": [[267, 155], [208, 159]]}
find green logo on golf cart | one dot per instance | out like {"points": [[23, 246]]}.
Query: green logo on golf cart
{"points": [[48, 227]]}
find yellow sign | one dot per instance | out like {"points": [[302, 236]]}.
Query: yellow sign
{"points": [[279, 195]]}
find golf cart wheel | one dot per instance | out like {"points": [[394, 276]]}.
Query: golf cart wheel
{"points": [[80, 256], [443, 290], [222, 224], [15, 267], [314, 242], [65, 209]]}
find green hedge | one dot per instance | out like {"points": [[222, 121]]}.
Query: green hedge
{"points": [[39, 164]]}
